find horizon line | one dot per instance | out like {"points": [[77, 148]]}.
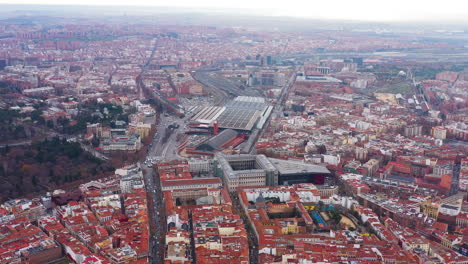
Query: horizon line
{"points": [[252, 12]]}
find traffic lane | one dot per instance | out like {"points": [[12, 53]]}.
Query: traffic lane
{"points": [[157, 220], [155, 185]]}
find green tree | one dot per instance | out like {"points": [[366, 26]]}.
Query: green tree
{"points": [[34, 180], [50, 124], [320, 205], [336, 216], [6, 150]]}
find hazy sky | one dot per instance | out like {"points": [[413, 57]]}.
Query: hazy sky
{"points": [[380, 10]]}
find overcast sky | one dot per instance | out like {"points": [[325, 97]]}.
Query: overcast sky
{"points": [[370, 10]]}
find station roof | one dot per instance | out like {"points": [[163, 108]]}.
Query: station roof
{"points": [[208, 114], [241, 119], [242, 113], [216, 142]]}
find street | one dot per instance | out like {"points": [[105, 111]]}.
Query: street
{"points": [[156, 215], [167, 150], [252, 238]]}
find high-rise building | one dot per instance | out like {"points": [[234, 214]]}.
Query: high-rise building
{"points": [[439, 132], [413, 130]]}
